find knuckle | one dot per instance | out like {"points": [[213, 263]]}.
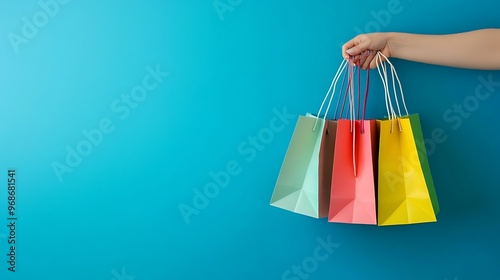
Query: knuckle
{"points": [[363, 37]]}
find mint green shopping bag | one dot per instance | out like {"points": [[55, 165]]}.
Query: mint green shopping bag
{"points": [[298, 186], [297, 189]]}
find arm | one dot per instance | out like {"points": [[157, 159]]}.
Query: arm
{"points": [[478, 49]]}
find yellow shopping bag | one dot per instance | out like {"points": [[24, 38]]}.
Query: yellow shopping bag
{"points": [[403, 194], [406, 193]]}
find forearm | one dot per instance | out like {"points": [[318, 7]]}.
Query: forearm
{"points": [[478, 49]]}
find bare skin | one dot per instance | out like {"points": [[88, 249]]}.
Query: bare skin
{"points": [[479, 49]]}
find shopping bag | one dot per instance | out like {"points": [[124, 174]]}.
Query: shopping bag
{"points": [[404, 191], [298, 185], [352, 197], [403, 195]]}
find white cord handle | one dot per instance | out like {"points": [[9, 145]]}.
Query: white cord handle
{"points": [[333, 85], [382, 71], [394, 74]]}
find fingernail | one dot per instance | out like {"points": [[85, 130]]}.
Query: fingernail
{"points": [[349, 51]]}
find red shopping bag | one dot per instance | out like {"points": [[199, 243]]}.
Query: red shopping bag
{"points": [[352, 197]]}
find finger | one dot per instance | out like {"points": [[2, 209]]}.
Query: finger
{"points": [[356, 59], [364, 56], [347, 46], [367, 61], [352, 60], [358, 48]]}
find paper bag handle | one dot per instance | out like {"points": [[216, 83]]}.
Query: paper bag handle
{"points": [[333, 85]]}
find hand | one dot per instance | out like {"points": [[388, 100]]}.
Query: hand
{"points": [[362, 49]]}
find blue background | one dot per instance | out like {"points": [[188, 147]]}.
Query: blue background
{"points": [[117, 213]]}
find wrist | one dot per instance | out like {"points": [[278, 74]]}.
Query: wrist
{"points": [[391, 43]]}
